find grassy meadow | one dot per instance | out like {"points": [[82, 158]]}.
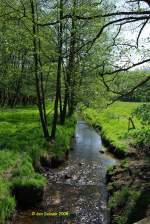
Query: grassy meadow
{"points": [[21, 145], [114, 122]]}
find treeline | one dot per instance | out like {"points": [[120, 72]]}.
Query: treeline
{"points": [[44, 54], [142, 94], [126, 82], [16, 83]]}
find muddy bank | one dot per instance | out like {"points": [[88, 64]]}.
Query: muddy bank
{"points": [[129, 190]]}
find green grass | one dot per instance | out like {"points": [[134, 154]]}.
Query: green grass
{"points": [[21, 144], [15, 169], [114, 122], [123, 201], [7, 202], [63, 137]]}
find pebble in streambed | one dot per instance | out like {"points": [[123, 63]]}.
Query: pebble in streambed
{"points": [[79, 194]]}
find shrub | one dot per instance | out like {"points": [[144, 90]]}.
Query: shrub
{"points": [[143, 113], [142, 135]]}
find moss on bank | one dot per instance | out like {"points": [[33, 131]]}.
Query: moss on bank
{"points": [[15, 170], [129, 191], [122, 203]]}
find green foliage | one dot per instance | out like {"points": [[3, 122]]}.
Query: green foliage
{"points": [[8, 159], [63, 137], [35, 180], [141, 206], [25, 175], [125, 199], [22, 144], [15, 169], [143, 113], [119, 197], [7, 202], [142, 135], [24, 167], [20, 131], [111, 186], [127, 80]]}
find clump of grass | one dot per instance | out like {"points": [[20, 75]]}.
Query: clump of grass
{"points": [[7, 202], [63, 137], [26, 176], [35, 180]]}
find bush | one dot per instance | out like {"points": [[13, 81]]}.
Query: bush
{"points": [[143, 113], [142, 135]]}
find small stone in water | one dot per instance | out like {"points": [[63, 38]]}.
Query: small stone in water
{"points": [[101, 151], [67, 176], [81, 164]]}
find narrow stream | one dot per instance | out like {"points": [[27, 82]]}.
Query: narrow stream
{"points": [[77, 188]]}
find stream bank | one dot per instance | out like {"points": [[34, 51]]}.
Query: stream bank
{"points": [[77, 188], [129, 190], [128, 182]]}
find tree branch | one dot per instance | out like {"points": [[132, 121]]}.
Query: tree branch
{"points": [[144, 24]]}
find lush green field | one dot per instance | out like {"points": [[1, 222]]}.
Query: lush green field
{"points": [[114, 122], [21, 145]]}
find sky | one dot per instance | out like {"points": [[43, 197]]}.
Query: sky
{"points": [[129, 34]]}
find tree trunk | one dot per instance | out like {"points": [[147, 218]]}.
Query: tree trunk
{"points": [[58, 82], [35, 54], [70, 73], [41, 82]]}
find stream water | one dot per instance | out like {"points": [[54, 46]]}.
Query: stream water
{"points": [[78, 188]]}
